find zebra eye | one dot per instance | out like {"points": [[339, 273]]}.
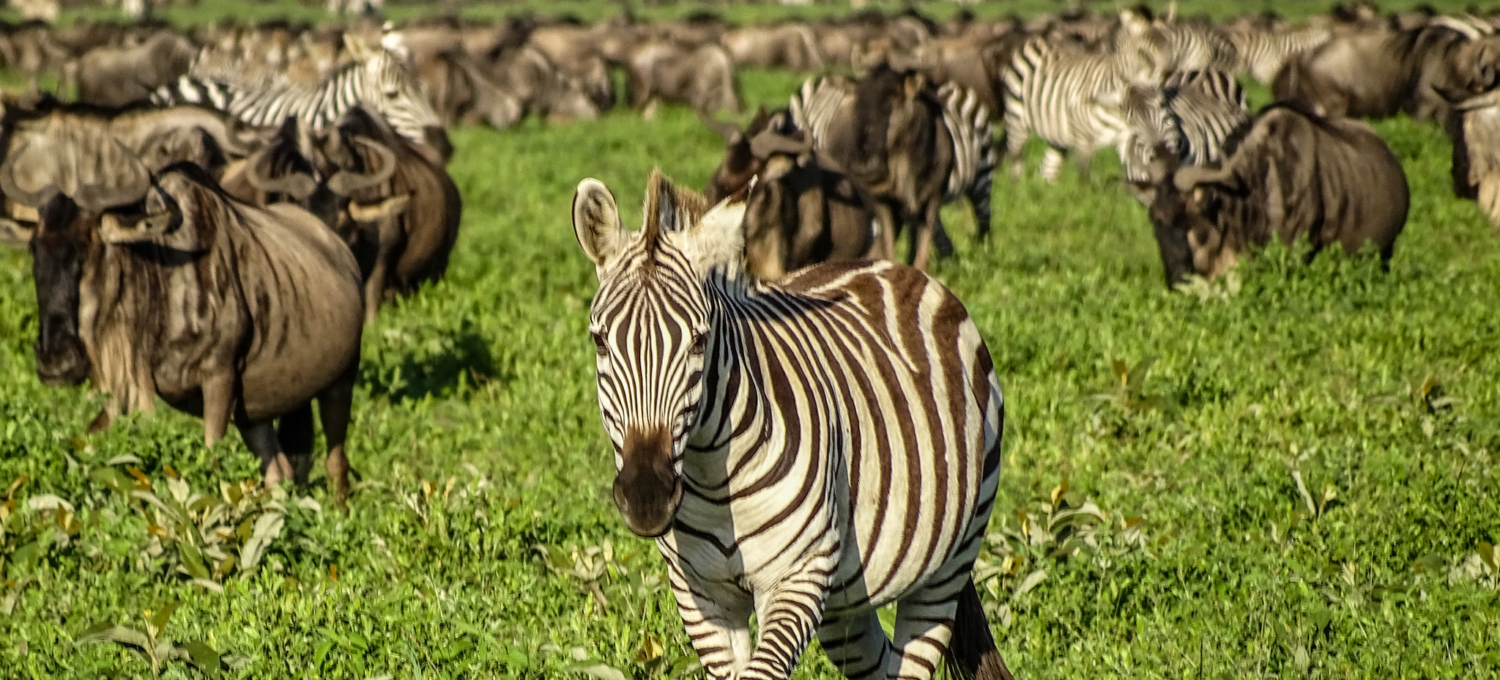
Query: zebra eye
{"points": [[700, 342], [599, 346]]}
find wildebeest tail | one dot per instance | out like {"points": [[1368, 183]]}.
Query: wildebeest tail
{"points": [[972, 653]]}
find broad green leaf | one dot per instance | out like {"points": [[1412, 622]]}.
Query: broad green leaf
{"points": [[105, 632]]}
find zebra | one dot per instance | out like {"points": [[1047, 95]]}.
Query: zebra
{"points": [[1261, 52], [1209, 107], [1192, 46], [763, 437], [378, 79], [822, 103], [1080, 101]]}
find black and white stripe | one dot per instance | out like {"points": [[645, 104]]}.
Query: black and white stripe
{"points": [[381, 81], [1078, 101], [1209, 107], [820, 102], [835, 438]]}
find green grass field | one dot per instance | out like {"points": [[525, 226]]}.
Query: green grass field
{"points": [[1288, 473]]}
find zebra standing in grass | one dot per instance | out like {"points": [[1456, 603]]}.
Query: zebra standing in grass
{"points": [[805, 452], [377, 78], [824, 102], [1080, 101]]}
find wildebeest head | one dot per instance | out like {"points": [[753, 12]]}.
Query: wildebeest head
{"points": [[653, 325], [282, 170], [69, 195], [886, 99], [1185, 215], [739, 163]]}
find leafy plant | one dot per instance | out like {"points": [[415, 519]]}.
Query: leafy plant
{"points": [[150, 644]]}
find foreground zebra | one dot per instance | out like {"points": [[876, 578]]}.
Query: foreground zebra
{"points": [[377, 78], [806, 451]]}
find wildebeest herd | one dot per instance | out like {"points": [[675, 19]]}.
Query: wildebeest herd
{"points": [[219, 214]]}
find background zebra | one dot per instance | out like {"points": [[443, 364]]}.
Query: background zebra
{"points": [[763, 436], [1079, 101], [827, 101], [1262, 52], [377, 78], [1208, 107]]}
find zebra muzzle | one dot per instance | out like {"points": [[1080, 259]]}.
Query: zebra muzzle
{"points": [[647, 489]]}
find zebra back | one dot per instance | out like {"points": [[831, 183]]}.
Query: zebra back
{"points": [[380, 80], [1068, 97], [1261, 52]]}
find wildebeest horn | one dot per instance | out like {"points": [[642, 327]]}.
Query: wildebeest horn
{"points": [[1483, 101], [298, 185], [1469, 30], [127, 181], [345, 182], [767, 143], [32, 161], [1193, 175]]}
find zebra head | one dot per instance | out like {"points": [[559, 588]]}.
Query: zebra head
{"points": [[391, 88], [1146, 125], [653, 324]]}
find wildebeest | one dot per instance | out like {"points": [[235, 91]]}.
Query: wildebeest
{"points": [[1294, 174], [802, 210], [1474, 128], [162, 285], [701, 77], [791, 46], [116, 76], [1376, 73]]}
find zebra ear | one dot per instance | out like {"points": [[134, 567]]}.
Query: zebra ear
{"points": [[596, 222], [670, 208]]}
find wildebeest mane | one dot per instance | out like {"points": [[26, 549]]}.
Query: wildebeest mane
{"points": [[874, 100]]}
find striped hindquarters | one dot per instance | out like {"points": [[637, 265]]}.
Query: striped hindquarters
{"points": [[859, 342], [974, 158], [1209, 106], [817, 103]]}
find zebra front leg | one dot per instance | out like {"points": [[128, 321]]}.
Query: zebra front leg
{"points": [[1051, 163], [717, 621], [857, 646], [787, 619]]}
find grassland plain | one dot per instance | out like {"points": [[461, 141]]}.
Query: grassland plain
{"points": [[1289, 473]]}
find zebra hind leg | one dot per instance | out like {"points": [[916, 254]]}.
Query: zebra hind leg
{"points": [[972, 653], [857, 646]]}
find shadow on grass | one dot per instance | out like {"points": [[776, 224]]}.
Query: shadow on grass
{"points": [[456, 362]]}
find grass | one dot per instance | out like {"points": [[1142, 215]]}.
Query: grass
{"points": [[1289, 473]]}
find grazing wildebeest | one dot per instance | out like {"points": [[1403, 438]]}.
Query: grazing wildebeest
{"points": [[403, 210], [116, 76], [701, 77], [1294, 174], [164, 286], [801, 211], [1377, 73]]}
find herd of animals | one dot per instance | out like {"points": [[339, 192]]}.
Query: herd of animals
{"points": [[219, 214]]}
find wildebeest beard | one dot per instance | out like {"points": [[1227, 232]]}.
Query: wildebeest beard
{"points": [[59, 249], [874, 99]]}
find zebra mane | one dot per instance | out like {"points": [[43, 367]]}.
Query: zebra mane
{"points": [[711, 237]]}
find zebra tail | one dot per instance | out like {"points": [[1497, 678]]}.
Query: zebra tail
{"points": [[973, 653]]}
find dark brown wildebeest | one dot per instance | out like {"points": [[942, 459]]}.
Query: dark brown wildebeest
{"points": [[164, 286], [801, 211], [116, 76], [891, 138], [701, 77], [1293, 175], [1377, 73], [462, 91]]}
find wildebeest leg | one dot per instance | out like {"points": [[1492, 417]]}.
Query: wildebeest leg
{"points": [[218, 403], [295, 432], [375, 283], [922, 238], [334, 405], [979, 195], [261, 438], [887, 222]]}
